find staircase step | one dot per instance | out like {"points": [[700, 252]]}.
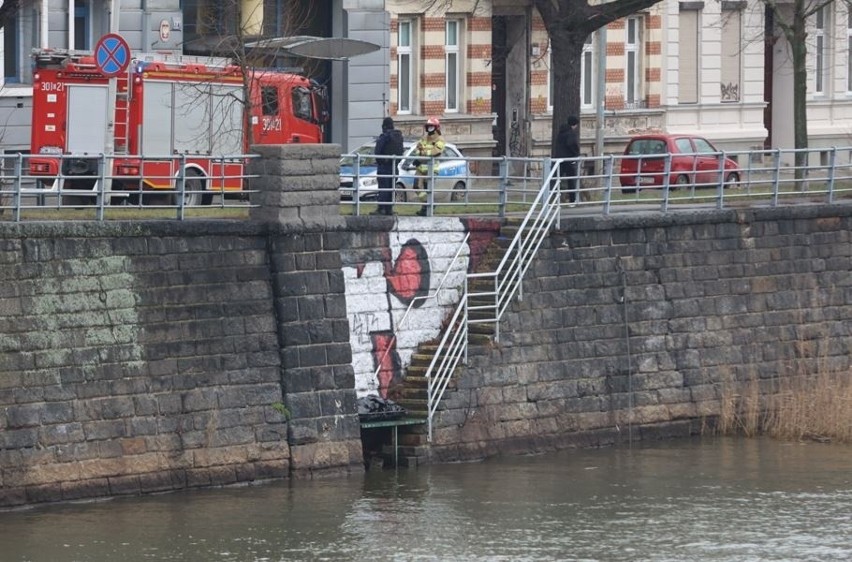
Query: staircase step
{"points": [[416, 407], [414, 394], [481, 329], [479, 340], [417, 413], [419, 451], [415, 381]]}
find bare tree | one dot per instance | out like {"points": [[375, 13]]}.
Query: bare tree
{"points": [[791, 20], [569, 23], [233, 25]]}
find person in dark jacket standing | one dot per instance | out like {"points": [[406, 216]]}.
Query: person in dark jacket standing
{"points": [[389, 143], [568, 146]]}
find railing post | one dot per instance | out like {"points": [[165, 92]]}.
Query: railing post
{"points": [[101, 191], [181, 187], [356, 185], [832, 163], [667, 171], [776, 177], [430, 192], [608, 168], [504, 186], [16, 198], [720, 203]]}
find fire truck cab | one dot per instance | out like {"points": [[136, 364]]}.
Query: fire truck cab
{"points": [[179, 126]]}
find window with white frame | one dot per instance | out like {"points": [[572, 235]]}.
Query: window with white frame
{"points": [[632, 62], [550, 79], [849, 50], [820, 66], [688, 20], [82, 25], [405, 66], [731, 52], [587, 73], [11, 49], [452, 60], [587, 76]]}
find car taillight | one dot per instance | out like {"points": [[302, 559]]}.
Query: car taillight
{"points": [[128, 170], [40, 168]]}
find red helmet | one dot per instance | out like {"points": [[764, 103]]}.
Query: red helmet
{"points": [[433, 122]]}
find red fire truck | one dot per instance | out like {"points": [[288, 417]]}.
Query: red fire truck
{"points": [[179, 125]]}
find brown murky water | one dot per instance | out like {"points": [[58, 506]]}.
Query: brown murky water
{"points": [[721, 499]]}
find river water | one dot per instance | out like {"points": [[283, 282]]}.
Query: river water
{"points": [[718, 499]]}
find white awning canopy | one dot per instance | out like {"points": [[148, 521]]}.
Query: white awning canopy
{"points": [[328, 48]]}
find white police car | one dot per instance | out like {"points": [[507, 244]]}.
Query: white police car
{"points": [[451, 173]]}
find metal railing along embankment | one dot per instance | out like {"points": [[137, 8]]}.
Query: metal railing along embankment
{"points": [[99, 187], [508, 186]]}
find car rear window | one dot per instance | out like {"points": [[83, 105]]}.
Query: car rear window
{"points": [[647, 146]]}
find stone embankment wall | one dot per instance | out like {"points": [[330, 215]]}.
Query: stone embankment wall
{"points": [[136, 358], [635, 327], [146, 356]]}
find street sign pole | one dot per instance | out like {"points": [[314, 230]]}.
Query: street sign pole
{"points": [[112, 89], [112, 57]]}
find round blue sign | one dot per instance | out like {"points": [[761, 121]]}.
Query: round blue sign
{"points": [[112, 54]]}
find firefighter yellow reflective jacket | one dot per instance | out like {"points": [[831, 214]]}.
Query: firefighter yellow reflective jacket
{"points": [[429, 146]]}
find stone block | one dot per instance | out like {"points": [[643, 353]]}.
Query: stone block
{"points": [[162, 481], [301, 431], [43, 493], [320, 456], [93, 488]]}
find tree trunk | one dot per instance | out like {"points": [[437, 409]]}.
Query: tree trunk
{"points": [[799, 51], [566, 58]]}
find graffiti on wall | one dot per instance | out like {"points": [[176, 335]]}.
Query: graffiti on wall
{"points": [[392, 292]]}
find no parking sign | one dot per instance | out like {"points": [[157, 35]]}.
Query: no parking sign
{"points": [[112, 54]]}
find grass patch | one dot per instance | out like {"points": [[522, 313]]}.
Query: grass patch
{"points": [[808, 407]]}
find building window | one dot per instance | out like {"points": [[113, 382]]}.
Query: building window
{"points": [[731, 54], [81, 26], [11, 49], [587, 73], [405, 66], [688, 55], [549, 80], [453, 64], [274, 24], [849, 51], [820, 66], [632, 72]]}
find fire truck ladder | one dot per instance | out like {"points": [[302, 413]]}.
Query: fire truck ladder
{"points": [[122, 116]]}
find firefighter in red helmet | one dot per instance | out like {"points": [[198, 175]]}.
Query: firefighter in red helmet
{"points": [[430, 146]]}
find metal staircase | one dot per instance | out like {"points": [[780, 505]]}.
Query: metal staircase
{"points": [[484, 301]]}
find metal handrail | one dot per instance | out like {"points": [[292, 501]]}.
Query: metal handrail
{"points": [[451, 351], [543, 213], [508, 278]]}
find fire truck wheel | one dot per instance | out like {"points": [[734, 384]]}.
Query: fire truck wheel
{"points": [[193, 187]]}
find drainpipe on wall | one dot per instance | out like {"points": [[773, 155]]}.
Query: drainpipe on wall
{"points": [[146, 26], [71, 30], [599, 103], [43, 27]]}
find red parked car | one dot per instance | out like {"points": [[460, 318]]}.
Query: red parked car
{"points": [[694, 161]]}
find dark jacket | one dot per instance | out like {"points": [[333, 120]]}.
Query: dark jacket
{"points": [[389, 143], [567, 143]]}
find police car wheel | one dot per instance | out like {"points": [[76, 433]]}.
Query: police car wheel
{"points": [[458, 191], [399, 193]]}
